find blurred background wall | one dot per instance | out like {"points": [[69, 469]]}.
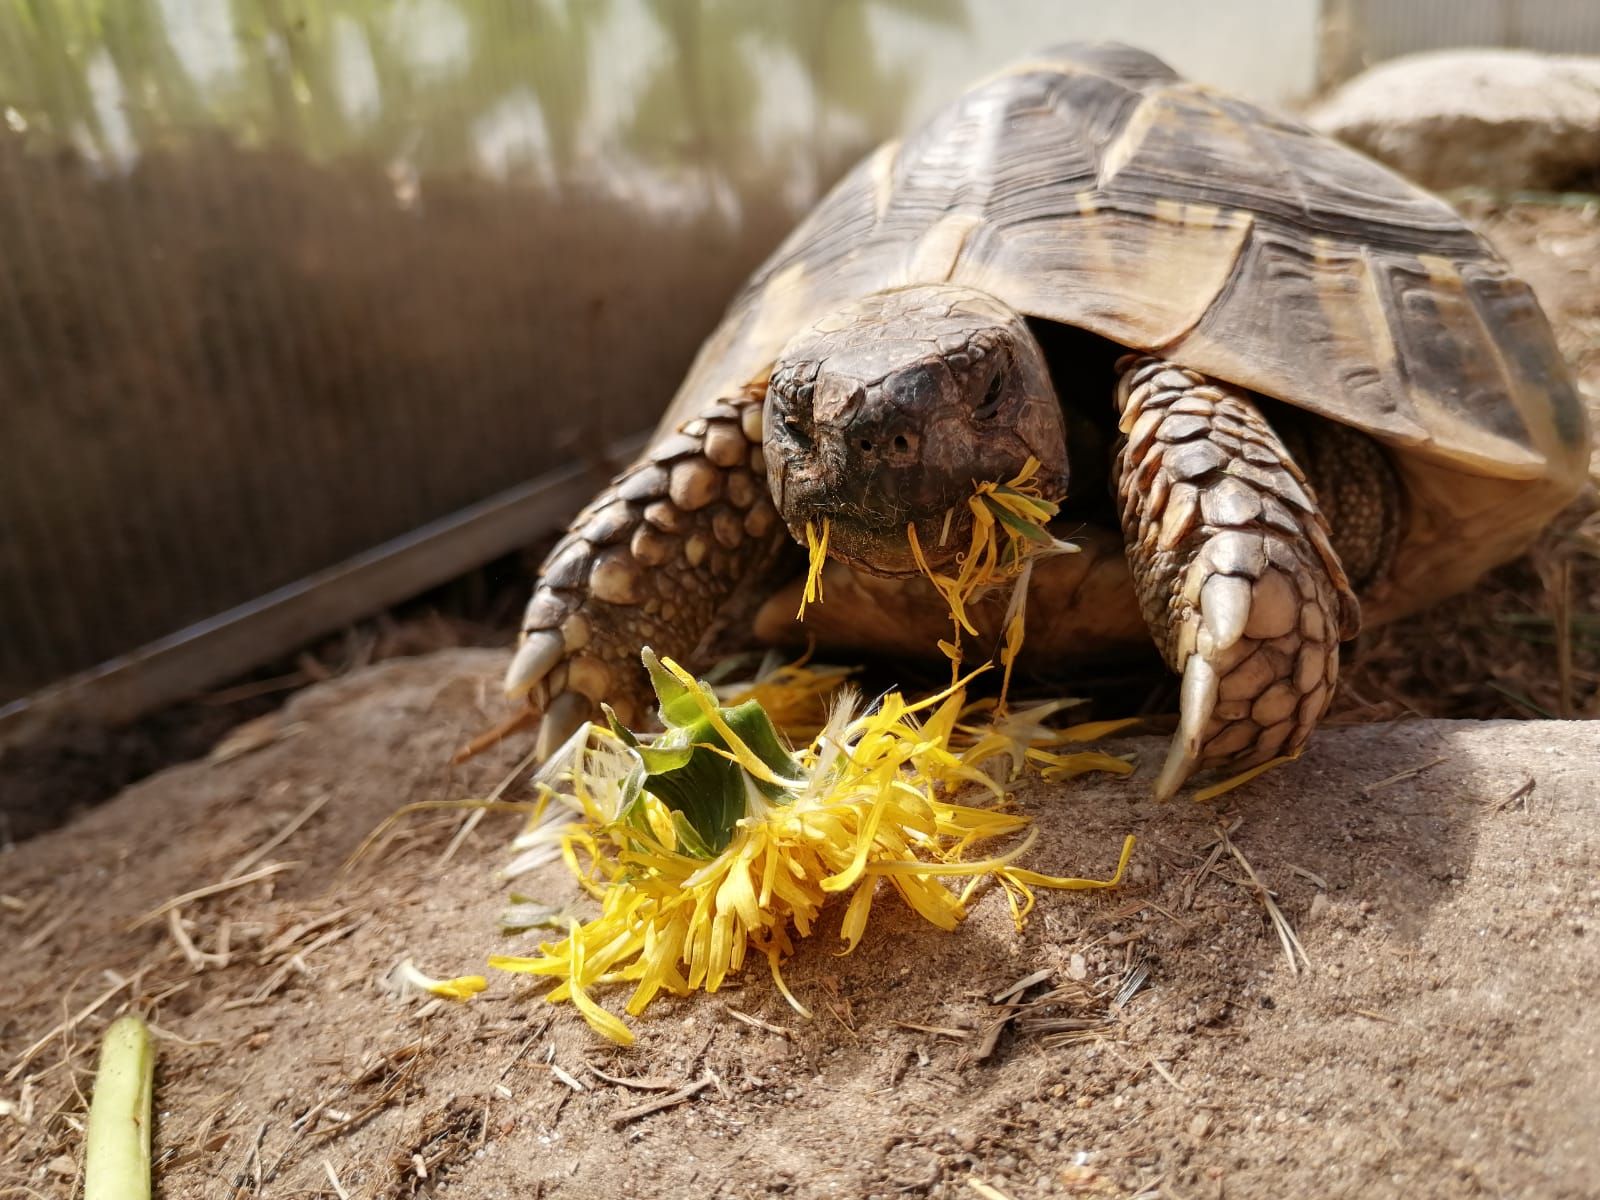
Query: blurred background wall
{"points": [[1355, 34], [284, 280]]}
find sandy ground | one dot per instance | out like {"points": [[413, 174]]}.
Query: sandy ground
{"points": [[1439, 1038]]}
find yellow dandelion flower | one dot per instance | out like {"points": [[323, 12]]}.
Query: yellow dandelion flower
{"points": [[713, 838]]}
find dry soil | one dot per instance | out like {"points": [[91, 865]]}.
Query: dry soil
{"points": [[1436, 1037]]}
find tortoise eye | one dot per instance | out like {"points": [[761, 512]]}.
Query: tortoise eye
{"points": [[794, 417], [993, 396]]}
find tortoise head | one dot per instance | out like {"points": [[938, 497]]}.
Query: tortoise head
{"points": [[888, 411]]}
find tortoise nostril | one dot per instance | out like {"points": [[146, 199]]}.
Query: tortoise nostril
{"points": [[866, 445], [901, 443]]}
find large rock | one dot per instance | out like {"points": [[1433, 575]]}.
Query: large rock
{"points": [[1503, 119]]}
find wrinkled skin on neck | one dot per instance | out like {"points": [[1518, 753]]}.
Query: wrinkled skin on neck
{"points": [[888, 412]]}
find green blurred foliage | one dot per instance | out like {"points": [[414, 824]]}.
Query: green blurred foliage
{"points": [[418, 78]]}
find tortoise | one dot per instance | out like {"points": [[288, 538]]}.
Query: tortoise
{"points": [[1275, 387]]}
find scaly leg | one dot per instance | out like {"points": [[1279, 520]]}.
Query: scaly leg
{"points": [[1236, 575], [657, 559]]}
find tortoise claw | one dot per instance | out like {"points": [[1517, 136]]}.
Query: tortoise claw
{"points": [[1197, 701], [561, 720], [535, 658]]}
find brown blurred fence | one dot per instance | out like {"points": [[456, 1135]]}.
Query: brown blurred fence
{"points": [[231, 367], [283, 282]]}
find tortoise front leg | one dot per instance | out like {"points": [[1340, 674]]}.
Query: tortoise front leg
{"points": [[657, 559], [1236, 576]]}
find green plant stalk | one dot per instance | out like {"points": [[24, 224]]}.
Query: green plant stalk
{"points": [[116, 1160]]}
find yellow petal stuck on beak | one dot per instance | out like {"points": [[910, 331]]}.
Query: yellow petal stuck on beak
{"points": [[1008, 536], [817, 548]]}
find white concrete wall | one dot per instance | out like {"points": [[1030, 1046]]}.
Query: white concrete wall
{"points": [[1262, 49]]}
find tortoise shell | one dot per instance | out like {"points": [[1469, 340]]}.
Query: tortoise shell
{"points": [[1093, 186]]}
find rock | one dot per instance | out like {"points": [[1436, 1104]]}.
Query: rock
{"points": [[1501, 119]]}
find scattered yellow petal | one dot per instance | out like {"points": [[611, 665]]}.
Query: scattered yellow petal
{"points": [[1057, 767], [1243, 777], [1067, 883], [1093, 731], [462, 987], [1017, 881]]}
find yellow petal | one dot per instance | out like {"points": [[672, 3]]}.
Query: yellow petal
{"points": [[931, 902], [737, 893], [1057, 767], [462, 987], [606, 1024], [1093, 731], [817, 548], [1227, 785], [517, 963], [855, 917], [1067, 883], [863, 846]]}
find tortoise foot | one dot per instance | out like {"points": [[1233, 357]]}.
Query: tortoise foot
{"points": [[1235, 572], [652, 561]]}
